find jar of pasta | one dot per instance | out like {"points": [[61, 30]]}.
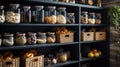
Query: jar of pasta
{"points": [[84, 17], [41, 38], [13, 14], [2, 16], [31, 38], [51, 37]]}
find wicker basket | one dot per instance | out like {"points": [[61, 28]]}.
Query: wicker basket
{"points": [[100, 35], [87, 36]]}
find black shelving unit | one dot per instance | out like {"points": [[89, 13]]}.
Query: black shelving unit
{"points": [[76, 46]]}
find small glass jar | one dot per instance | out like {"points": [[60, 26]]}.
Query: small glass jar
{"points": [[91, 18], [38, 14], [97, 18], [2, 15], [50, 15], [51, 38], [20, 39], [31, 38], [13, 14], [61, 15], [41, 38], [70, 18], [84, 17], [0, 40], [8, 39], [25, 14]]}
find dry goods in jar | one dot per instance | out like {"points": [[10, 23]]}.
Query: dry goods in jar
{"points": [[60, 19], [98, 18], [41, 38], [84, 17], [90, 2], [2, 16], [91, 18], [70, 18], [51, 37], [31, 38], [50, 19]]}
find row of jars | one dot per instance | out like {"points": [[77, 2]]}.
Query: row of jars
{"points": [[19, 38], [39, 14], [90, 18]]}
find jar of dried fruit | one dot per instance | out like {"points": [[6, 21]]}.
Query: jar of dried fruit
{"points": [[84, 17], [31, 38], [51, 38], [41, 38], [13, 14], [2, 16], [91, 18]]}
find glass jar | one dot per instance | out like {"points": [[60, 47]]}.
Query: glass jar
{"points": [[51, 37], [91, 18], [38, 14], [50, 15], [31, 38], [71, 1], [8, 39], [13, 14], [41, 38], [61, 15], [2, 15], [90, 2], [97, 18], [26, 14], [84, 17], [0, 40], [70, 18], [20, 39]]}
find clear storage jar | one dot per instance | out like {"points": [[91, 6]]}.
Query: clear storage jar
{"points": [[84, 17], [91, 18], [50, 15], [41, 38], [61, 15], [8, 39], [2, 15], [70, 18], [25, 14], [38, 14], [97, 18], [51, 38], [31, 38], [13, 14], [20, 38]]}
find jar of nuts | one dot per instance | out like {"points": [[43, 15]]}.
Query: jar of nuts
{"points": [[41, 38], [38, 14], [70, 18], [2, 16], [50, 15], [26, 14], [13, 14], [98, 18], [31, 38], [84, 17], [91, 18], [61, 15], [8, 39], [51, 38]]}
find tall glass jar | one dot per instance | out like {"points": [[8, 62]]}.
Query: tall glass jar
{"points": [[26, 14], [2, 16], [70, 18], [61, 15], [20, 38], [97, 18], [38, 14], [41, 38], [50, 14], [51, 38], [13, 14], [91, 18], [84, 17], [31, 38], [8, 39]]}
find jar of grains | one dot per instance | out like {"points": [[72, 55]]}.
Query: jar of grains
{"points": [[13, 14], [2, 16]]}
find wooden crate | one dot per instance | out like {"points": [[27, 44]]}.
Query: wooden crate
{"points": [[15, 62], [63, 38], [37, 61], [87, 36], [100, 35]]}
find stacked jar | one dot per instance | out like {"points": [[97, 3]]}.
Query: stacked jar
{"points": [[2, 16], [13, 14]]}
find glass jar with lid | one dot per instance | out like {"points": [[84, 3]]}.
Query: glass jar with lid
{"points": [[61, 15], [97, 18], [84, 17], [13, 14], [50, 15], [41, 38], [51, 38], [70, 18], [91, 18], [38, 14], [25, 14], [20, 38], [8, 39], [2, 15], [31, 38], [0, 40]]}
